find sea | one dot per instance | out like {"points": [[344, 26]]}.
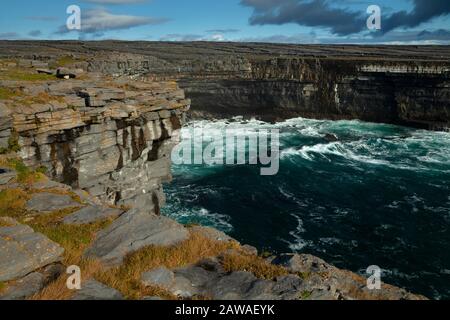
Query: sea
{"points": [[353, 193]]}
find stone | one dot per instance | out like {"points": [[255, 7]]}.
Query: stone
{"points": [[91, 214], [211, 233], [48, 202], [50, 184], [94, 290], [25, 287], [161, 277], [71, 73], [22, 251], [45, 71], [134, 230], [39, 64], [330, 137], [6, 176]]}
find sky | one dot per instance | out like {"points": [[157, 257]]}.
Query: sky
{"points": [[280, 21]]}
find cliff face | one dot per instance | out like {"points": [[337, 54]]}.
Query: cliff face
{"points": [[112, 138], [407, 85]]}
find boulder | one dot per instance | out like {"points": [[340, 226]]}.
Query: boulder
{"points": [[133, 231], [91, 214], [45, 71], [48, 202], [22, 251], [94, 290], [68, 73], [161, 277], [25, 287]]}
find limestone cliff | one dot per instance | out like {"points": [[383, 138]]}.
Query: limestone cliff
{"points": [[110, 137]]}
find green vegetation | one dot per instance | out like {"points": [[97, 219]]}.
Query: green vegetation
{"points": [[12, 202], [7, 93], [25, 75], [305, 295], [13, 144], [63, 61]]}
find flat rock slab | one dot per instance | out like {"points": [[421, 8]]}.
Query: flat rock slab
{"points": [[6, 176], [48, 202], [161, 277], [133, 231], [211, 233], [25, 287], [91, 214], [94, 290], [22, 251]]}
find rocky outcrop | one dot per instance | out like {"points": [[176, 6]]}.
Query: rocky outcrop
{"points": [[406, 85], [111, 138], [23, 251], [94, 290], [133, 231]]}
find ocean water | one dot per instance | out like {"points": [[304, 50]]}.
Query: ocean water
{"points": [[380, 195]]}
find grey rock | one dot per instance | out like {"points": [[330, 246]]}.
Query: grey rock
{"points": [[25, 287], [48, 202], [91, 214], [302, 263], [132, 231], [6, 175], [50, 184], [161, 277], [211, 233], [94, 290], [45, 71], [22, 251]]}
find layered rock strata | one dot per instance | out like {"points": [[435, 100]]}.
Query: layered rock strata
{"points": [[112, 138], [408, 85]]}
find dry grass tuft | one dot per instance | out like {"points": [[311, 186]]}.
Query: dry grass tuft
{"points": [[126, 278], [254, 264], [58, 290], [12, 202]]}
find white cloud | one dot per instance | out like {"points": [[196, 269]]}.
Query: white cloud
{"points": [[96, 21]]}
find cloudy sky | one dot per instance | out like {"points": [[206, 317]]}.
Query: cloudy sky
{"points": [[287, 21]]}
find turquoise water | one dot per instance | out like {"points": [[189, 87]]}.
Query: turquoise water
{"points": [[378, 196]]}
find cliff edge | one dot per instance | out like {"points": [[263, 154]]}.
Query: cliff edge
{"points": [[83, 159]]}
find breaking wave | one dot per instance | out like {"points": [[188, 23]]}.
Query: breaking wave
{"points": [[353, 193]]}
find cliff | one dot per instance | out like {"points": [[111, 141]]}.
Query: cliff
{"points": [[107, 142], [407, 85]]}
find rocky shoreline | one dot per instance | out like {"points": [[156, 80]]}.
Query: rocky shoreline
{"points": [[405, 85], [84, 156]]}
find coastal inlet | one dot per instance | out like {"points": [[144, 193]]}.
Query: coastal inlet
{"points": [[376, 195]]}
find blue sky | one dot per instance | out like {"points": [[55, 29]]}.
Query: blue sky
{"points": [[290, 21]]}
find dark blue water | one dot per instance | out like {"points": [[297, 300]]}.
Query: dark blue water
{"points": [[378, 196]]}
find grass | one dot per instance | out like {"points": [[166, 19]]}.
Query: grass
{"points": [[8, 93], [254, 264], [126, 278], [18, 74], [74, 239], [305, 295], [12, 203], [63, 61], [24, 174]]}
